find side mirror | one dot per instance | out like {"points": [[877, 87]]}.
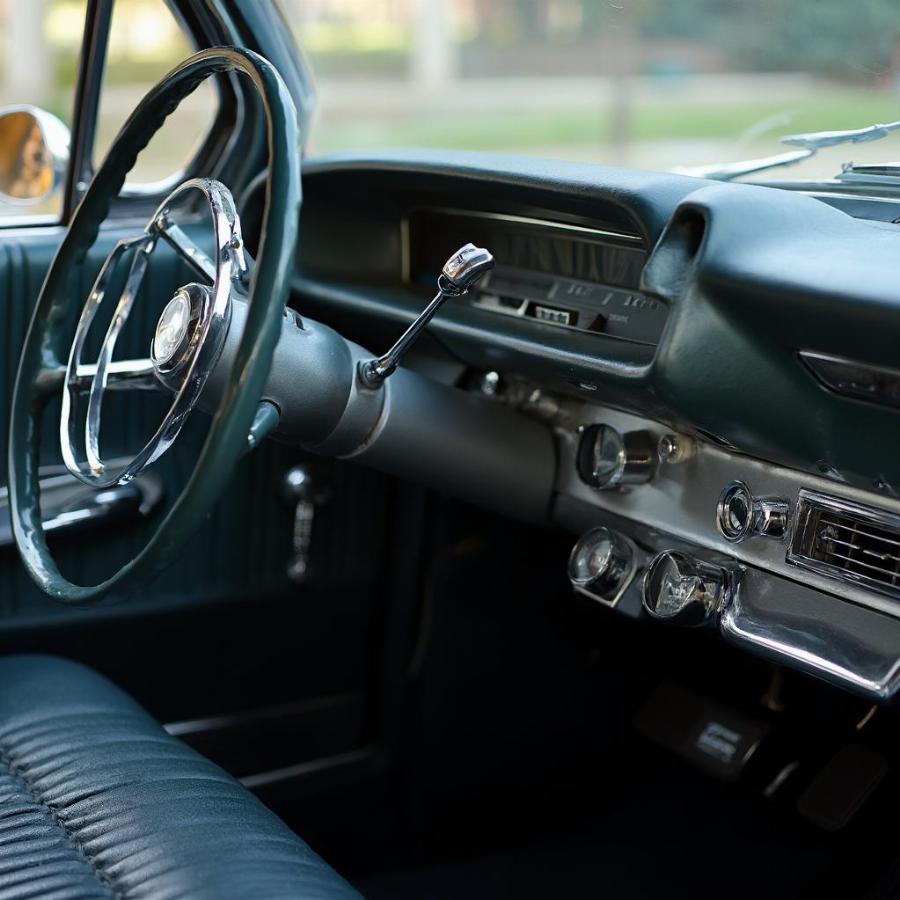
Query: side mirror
{"points": [[34, 154]]}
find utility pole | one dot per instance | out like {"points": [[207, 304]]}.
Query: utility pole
{"points": [[29, 75], [434, 59]]}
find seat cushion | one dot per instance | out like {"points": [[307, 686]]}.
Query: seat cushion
{"points": [[96, 800]]}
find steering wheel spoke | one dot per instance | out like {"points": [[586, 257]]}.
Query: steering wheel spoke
{"points": [[181, 243], [189, 336], [121, 375], [136, 273]]}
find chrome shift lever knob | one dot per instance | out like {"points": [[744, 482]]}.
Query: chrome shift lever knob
{"points": [[465, 267], [460, 272]]}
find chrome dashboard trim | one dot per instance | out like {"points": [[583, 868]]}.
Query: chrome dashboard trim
{"points": [[680, 502], [842, 643]]}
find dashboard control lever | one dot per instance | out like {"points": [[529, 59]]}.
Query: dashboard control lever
{"points": [[460, 272], [683, 590]]}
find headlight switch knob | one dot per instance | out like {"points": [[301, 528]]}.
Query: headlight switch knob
{"points": [[609, 459]]}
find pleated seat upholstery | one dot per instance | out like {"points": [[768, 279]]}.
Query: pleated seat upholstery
{"points": [[98, 801]]}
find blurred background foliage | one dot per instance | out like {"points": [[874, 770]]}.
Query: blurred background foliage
{"points": [[647, 83], [651, 83], [856, 40]]}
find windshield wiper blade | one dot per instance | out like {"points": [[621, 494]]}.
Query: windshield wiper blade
{"points": [[729, 171], [816, 140], [810, 142]]}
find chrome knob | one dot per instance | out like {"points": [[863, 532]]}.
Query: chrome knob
{"points": [[675, 448], [740, 515], [685, 591], [601, 564], [465, 268], [608, 459]]}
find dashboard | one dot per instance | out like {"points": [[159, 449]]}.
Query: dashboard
{"points": [[571, 276], [716, 361]]}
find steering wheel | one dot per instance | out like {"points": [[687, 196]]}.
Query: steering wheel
{"points": [[189, 336]]}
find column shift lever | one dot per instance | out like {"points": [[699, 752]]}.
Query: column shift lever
{"points": [[460, 272]]}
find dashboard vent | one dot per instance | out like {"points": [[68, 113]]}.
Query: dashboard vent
{"points": [[854, 543]]}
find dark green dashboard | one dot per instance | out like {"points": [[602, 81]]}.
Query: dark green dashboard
{"points": [[749, 276]]}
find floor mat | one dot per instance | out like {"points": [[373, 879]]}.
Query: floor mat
{"points": [[686, 839]]}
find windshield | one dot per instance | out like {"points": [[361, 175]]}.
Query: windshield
{"points": [[653, 84]]}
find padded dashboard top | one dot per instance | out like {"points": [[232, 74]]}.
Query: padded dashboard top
{"points": [[752, 275]]}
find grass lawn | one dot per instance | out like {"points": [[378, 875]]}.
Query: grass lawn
{"points": [[656, 121]]}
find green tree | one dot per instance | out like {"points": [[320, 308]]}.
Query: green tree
{"points": [[856, 40]]}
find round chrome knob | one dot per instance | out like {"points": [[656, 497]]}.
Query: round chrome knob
{"points": [[674, 448], [740, 515], [608, 459], [684, 590], [601, 564]]}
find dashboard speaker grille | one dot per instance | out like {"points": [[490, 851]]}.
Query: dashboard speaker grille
{"points": [[854, 543]]}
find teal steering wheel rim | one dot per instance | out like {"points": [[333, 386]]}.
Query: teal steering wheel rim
{"points": [[44, 350]]}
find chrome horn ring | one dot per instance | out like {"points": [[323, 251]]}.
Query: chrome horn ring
{"points": [[187, 344]]}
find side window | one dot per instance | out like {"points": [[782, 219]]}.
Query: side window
{"points": [[145, 42], [38, 67]]}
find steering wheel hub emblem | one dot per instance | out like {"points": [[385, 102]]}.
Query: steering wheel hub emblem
{"points": [[187, 344], [172, 328], [177, 332]]}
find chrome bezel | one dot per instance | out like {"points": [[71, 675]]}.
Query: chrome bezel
{"points": [[611, 477], [199, 298], [717, 585], [730, 491], [57, 140], [624, 578], [807, 501]]}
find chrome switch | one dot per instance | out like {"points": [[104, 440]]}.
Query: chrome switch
{"points": [[601, 564], [686, 591], [740, 515], [608, 459]]}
